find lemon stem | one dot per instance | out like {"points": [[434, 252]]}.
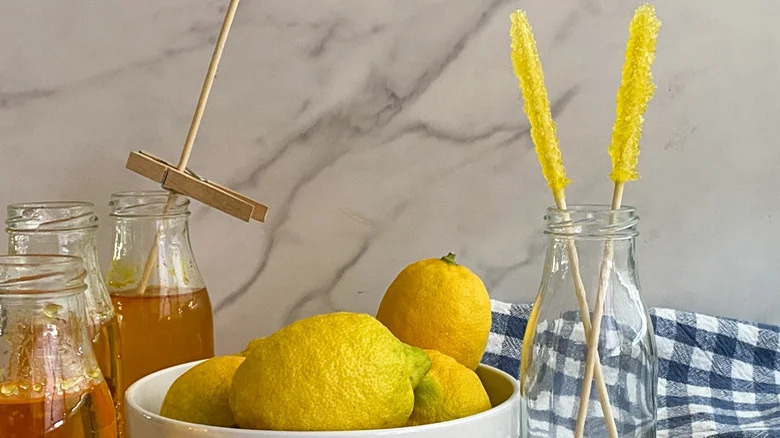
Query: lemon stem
{"points": [[449, 258]]}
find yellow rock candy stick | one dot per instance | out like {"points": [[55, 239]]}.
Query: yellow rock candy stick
{"points": [[528, 70], [635, 91]]}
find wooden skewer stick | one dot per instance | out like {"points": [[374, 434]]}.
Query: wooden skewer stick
{"points": [[192, 133], [592, 361], [582, 301], [207, 83]]}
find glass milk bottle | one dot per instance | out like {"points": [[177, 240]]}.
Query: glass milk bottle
{"points": [[70, 228], [50, 382], [591, 246], [162, 305]]}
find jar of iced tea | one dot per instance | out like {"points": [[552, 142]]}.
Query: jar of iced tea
{"points": [[50, 382], [163, 309], [70, 228]]}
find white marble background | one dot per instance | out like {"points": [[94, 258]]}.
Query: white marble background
{"points": [[386, 131]]}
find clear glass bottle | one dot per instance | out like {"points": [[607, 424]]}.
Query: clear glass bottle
{"points": [[70, 228], [162, 305], [50, 382], [596, 245]]}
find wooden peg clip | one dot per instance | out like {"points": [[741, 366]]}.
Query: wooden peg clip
{"points": [[190, 184]]}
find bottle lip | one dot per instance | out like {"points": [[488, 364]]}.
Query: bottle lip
{"points": [[592, 221], [47, 216], [41, 276], [604, 209], [148, 204]]}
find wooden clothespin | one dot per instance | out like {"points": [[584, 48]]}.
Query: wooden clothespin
{"points": [[179, 178], [190, 184]]}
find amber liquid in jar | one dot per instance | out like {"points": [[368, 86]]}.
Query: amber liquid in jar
{"points": [[162, 328], [106, 347], [89, 414]]}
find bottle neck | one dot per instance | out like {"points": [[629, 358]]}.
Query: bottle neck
{"points": [[591, 248], [596, 222], [76, 242], [562, 249], [49, 346], [43, 328], [154, 252]]}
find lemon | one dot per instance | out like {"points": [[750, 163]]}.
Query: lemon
{"points": [[439, 305], [340, 371], [200, 395], [254, 343], [449, 391]]}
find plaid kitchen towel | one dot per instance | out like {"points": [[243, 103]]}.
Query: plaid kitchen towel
{"points": [[718, 377]]}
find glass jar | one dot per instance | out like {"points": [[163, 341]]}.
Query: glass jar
{"points": [[590, 247], [50, 382], [162, 305], [70, 228]]}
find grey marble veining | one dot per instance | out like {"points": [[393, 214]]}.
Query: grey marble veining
{"points": [[383, 132]]}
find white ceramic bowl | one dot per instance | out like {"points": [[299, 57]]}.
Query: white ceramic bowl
{"points": [[144, 398]]}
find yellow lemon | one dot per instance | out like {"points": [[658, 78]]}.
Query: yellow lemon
{"points": [[439, 305], [254, 343], [449, 391], [340, 371], [200, 395]]}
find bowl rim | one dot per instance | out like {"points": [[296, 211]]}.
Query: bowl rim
{"points": [[157, 418]]}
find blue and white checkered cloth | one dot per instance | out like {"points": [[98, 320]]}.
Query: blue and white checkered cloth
{"points": [[718, 377]]}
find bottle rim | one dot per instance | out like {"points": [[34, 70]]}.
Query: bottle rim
{"points": [[156, 204], [592, 221], [41, 276], [48, 216]]}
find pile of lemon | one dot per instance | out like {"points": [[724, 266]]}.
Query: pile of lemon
{"points": [[413, 364]]}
